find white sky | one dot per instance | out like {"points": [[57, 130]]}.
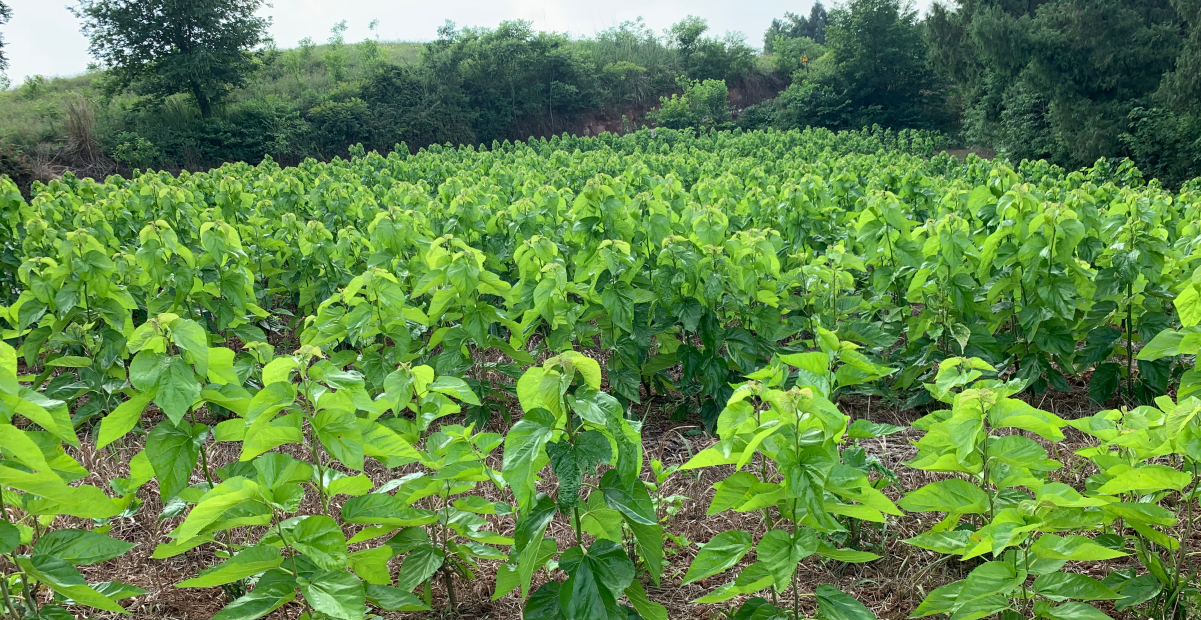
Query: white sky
{"points": [[43, 36]]}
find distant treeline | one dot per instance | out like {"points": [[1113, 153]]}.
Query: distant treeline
{"points": [[1065, 80]]}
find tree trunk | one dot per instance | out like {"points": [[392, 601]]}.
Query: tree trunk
{"points": [[202, 101]]}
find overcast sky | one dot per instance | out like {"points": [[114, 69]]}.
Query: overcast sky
{"points": [[43, 36]]}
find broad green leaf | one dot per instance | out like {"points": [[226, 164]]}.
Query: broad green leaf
{"points": [[173, 451], [189, 336], [781, 551], [10, 537], [528, 539], [853, 556], [1075, 611], [80, 547], [70, 361], [221, 367], [718, 555], [267, 434], [274, 589], [172, 549], [524, 448], [648, 609], [1064, 586], [246, 563], [953, 496], [633, 501], [1146, 479], [177, 390], [571, 461], [710, 457], [335, 593], [597, 579], [988, 579], [419, 565], [384, 509], [86, 502], [122, 419], [350, 485], [390, 598], [941, 600], [946, 542], [279, 370], [213, 504], [834, 604], [588, 368], [545, 603], [66, 580], [371, 565], [319, 538], [1138, 511], [456, 388], [1079, 548], [338, 431]]}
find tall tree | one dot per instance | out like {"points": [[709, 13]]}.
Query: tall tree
{"points": [[876, 59], [794, 26], [163, 47], [1181, 89], [5, 15], [1054, 78]]}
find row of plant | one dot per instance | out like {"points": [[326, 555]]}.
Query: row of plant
{"points": [[390, 310]]}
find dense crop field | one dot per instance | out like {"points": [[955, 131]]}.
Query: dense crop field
{"points": [[756, 376]]}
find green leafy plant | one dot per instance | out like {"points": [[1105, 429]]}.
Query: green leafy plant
{"points": [[784, 416], [1018, 514], [572, 426]]}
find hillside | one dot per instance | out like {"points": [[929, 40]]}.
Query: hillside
{"points": [[318, 100]]}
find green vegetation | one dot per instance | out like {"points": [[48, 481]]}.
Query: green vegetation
{"points": [[356, 386], [204, 50], [1068, 81], [469, 86], [5, 15]]}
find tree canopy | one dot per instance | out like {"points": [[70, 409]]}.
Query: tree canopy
{"points": [[163, 47], [1054, 78], [5, 14], [794, 26]]}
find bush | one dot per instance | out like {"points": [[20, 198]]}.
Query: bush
{"points": [[705, 58], [790, 55], [1165, 144], [404, 107], [703, 104], [338, 123], [809, 104], [135, 151]]}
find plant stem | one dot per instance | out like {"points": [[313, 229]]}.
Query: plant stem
{"points": [[1130, 340]]}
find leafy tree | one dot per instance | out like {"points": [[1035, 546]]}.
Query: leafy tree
{"points": [[634, 62], [876, 59], [791, 55], [5, 15], [794, 26], [334, 55], [874, 71], [163, 47], [704, 58], [517, 82], [1054, 78], [703, 104]]}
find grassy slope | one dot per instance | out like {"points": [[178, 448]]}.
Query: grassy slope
{"points": [[34, 113]]}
